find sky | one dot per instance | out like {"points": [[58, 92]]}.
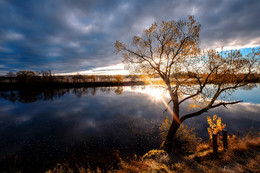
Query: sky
{"points": [[69, 36]]}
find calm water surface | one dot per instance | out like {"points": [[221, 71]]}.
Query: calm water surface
{"points": [[91, 126]]}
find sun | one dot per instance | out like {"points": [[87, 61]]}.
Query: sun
{"points": [[155, 93]]}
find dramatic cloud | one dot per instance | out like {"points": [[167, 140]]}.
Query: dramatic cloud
{"points": [[78, 35]]}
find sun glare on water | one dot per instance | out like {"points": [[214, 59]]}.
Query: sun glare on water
{"points": [[155, 93]]}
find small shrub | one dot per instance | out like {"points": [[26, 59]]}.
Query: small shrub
{"points": [[215, 126]]}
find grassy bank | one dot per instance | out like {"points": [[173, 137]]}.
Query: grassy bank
{"points": [[243, 155]]}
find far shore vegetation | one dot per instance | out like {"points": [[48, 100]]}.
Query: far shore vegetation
{"points": [[32, 79], [45, 79]]}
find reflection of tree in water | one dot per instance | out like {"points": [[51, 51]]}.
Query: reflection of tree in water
{"points": [[105, 89], [29, 96], [10, 95], [93, 91], [119, 90], [77, 91]]}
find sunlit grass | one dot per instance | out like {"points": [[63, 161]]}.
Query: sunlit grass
{"points": [[243, 155]]}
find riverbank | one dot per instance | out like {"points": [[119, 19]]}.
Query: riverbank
{"points": [[243, 155]]}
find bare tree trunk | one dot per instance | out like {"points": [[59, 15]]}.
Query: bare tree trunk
{"points": [[170, 141]]}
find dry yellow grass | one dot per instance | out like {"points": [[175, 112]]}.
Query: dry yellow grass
{"points": [[243, 155]]}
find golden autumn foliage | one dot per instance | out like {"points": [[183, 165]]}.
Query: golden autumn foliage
{"points": [[215, 125], [165, 127]]}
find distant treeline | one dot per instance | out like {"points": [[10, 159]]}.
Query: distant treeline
{"points": [[47, 79], [31, 79]]}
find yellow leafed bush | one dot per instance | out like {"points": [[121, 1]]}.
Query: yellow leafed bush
{"points": [[215, 125]]}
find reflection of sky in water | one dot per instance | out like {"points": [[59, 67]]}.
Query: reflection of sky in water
{"points": [[251, 96], [96, 123]]}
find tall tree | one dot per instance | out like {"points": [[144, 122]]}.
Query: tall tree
{"points": [[171, 50]]}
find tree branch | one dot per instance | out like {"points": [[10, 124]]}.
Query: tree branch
{"points": [[205, 109]]}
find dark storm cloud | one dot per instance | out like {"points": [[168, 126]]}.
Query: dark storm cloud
{"points": [[78, 35]]}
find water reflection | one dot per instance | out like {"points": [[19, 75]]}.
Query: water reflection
{"points": [[29, 96], [88, 125], [155, 93]]}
